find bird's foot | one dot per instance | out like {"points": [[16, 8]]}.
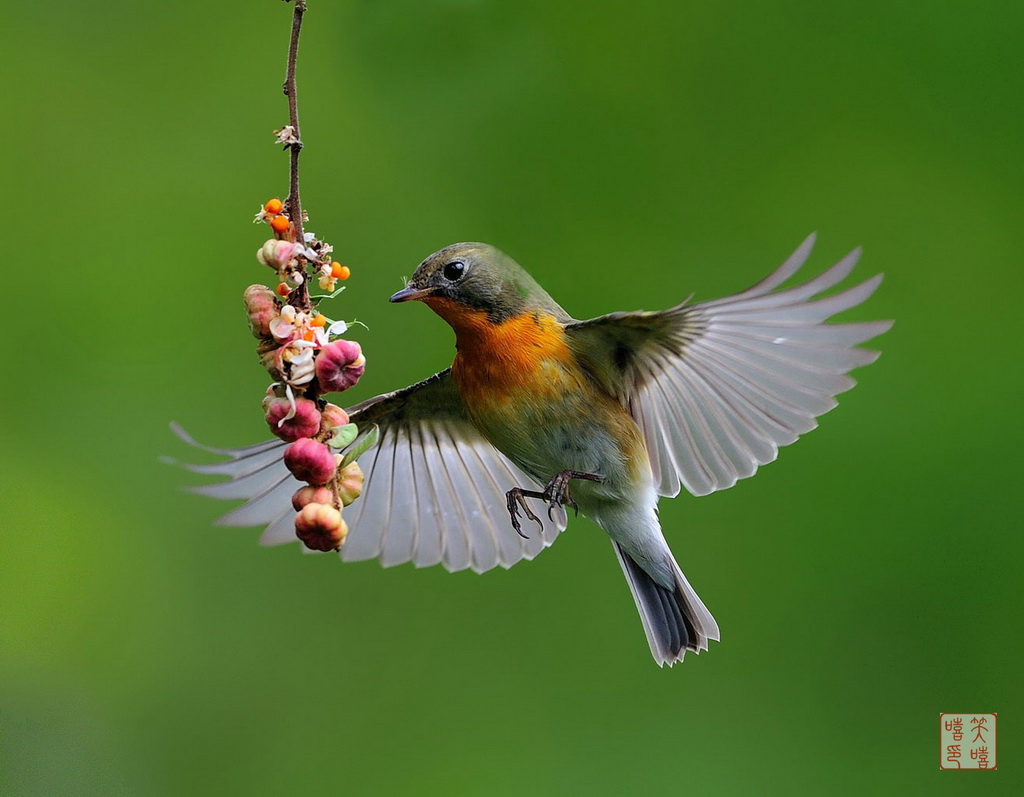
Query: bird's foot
{"points": [[557, 491], [556, 494], [515, 500]]}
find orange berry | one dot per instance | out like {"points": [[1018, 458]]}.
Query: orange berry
{"points": [[279, 223], [273, 206], [340, 272], [319, 320], [283, 290]]}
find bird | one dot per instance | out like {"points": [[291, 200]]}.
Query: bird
{"points": [[603, 417]]}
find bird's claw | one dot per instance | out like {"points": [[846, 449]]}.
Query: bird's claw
{"points": [[516, 500], [556, 494]]}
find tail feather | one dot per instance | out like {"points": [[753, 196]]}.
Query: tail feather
{"points": [[675, 620]]}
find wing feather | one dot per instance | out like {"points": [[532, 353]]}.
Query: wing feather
{"points": [[373, 508], [434, 488], [429, 549], [281, 530], [396, 536], [717, 388], [479, 536]]}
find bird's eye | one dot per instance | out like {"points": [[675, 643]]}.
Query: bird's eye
{"points": [[453, 271]]}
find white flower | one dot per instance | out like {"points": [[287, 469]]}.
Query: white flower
{"points": [[299, 355], [283, 326], [286, 135], [327, 280]]}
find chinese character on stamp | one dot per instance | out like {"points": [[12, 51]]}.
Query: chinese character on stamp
{"points": [[967, 741]]}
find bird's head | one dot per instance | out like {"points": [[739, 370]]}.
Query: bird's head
{"points": [[475, 278]]}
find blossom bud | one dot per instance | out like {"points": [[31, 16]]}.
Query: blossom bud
{"points": [[310, 461], [277, 254], [334, 416], [272, 358], [298, 355], [312, 495], [350, 483], [320, 527], [305, 422], [261, 305], [269, 396], [293, 276], [339, 365]]}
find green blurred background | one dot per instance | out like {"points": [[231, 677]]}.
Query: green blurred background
{"points": [[627, 155]]}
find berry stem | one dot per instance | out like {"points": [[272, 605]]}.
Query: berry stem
{"points": [[293, 204]]}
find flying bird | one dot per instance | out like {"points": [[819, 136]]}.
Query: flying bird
{"points": [[540, 411]]}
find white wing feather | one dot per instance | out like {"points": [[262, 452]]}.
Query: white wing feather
{"points": [[717, 387], [434, 490]]}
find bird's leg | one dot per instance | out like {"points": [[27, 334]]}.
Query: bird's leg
{"points": [[556, 493], [516, 499]]}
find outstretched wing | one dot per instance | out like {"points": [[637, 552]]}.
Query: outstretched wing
{"points": [[434, 490], [717, 387]]}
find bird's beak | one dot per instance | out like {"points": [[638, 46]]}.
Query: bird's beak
{"points": [[409, 294]]}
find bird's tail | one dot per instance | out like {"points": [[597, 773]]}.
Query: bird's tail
{"points": [[675, 620]]}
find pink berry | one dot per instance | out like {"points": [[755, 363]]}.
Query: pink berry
{"points": [[310, 461], [277, 254], [334, 416], [312, 495], [350, 483], [261, 305], [339, 365], [305, 422], [320, 527]]}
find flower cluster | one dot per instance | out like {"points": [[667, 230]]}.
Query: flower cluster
{"points": [[297, 346], [304, 354], [291, 258]]}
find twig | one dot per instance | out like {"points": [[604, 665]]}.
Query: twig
{"points": [[293, 204]]}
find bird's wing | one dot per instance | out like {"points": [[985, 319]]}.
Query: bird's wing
{"points": [[434, 490], [717, 387]]}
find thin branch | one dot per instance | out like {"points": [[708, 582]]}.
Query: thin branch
{"points": [[293, 204]]}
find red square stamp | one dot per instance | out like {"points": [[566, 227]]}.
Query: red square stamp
{"points": [[967, 741]]}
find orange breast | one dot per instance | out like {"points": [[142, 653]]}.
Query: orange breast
{"points": [[523, 357]]}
